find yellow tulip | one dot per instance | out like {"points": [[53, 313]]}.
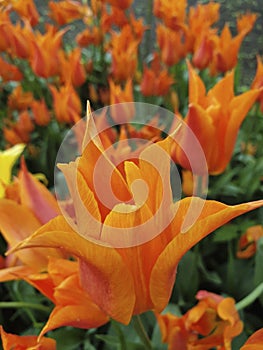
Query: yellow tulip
{"points": [[7, 161]]}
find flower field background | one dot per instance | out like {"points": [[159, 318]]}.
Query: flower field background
{"points": [[78, 272]]}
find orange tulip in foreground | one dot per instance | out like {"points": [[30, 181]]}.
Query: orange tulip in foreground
{"points": [[128, 237], [212, 323], [215, 118]]}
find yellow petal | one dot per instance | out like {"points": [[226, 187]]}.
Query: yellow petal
{"points": [[7, 161]]}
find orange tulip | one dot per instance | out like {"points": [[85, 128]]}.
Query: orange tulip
{"points": [[125, 112], [13, 341], [26, 9], [41, 114], [215, 118], [200, 19], [131, 271], [212, 323], [19, 131], [226, 51], [124, 49], [254, 342], [15, 38], [247, 245], [9, 72], [90, 36], [114, 17], [245, 23], [156, 80], [67, 104], [20, 99], [72, 69], [67, 11], [44, 53], [168, 40], [172, 13], [203, 51], [258, 81]]}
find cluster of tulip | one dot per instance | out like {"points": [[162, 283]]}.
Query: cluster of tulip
{"points": [[120, 261]]}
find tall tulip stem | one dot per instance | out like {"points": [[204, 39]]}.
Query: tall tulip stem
{"points": [[250, 298], [140, 330]]}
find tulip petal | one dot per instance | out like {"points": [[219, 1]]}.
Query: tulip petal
{"points": [[101, 267], [7, 161], [36, 196], [214, 215], [14, 231], [13, 341], [88, 219], [14, 273], [254, 342], [223, 91], [197, 90], [74, 309]]}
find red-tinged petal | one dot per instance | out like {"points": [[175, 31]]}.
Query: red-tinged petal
{"points": [[18, 226], [43, 283], [74, 309], [36, 196], [101, 267], [255, 341], [16, 221], [26, 342], [213, 215]]}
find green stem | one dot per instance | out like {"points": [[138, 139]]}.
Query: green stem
{"points": [[139, 328], [250, 298], [18, 304]]}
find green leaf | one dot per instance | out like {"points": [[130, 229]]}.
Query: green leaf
{"points": [[108, 339], [226, 233]]}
